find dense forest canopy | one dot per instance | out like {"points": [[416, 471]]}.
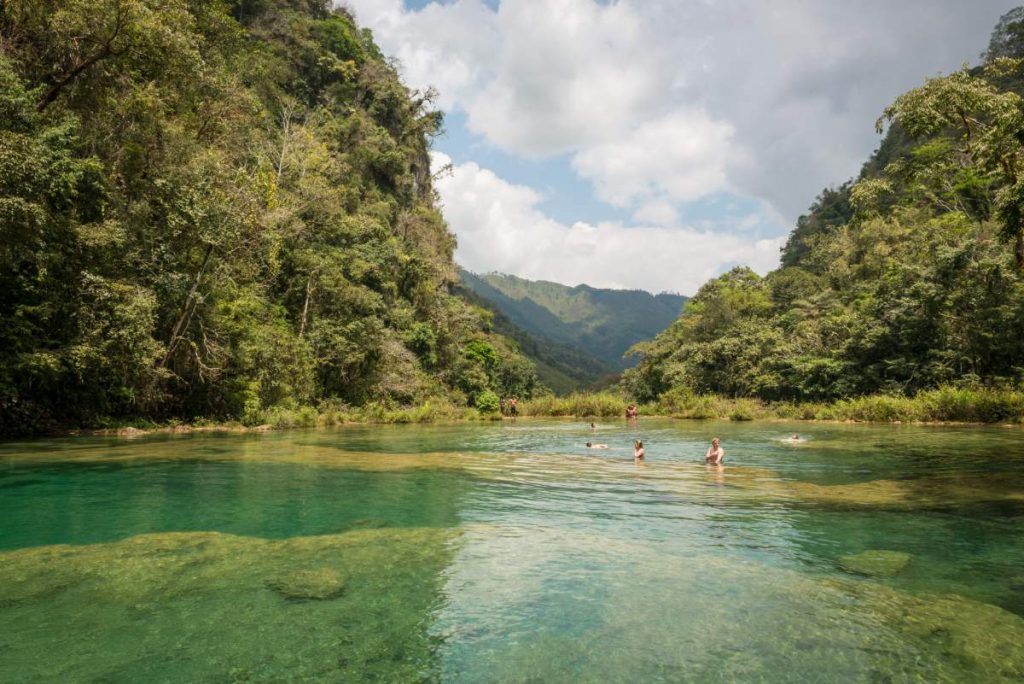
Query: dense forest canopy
{"points": [[906, 279], [215, 208]]}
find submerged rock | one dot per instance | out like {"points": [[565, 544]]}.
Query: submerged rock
{"points": [[875, 562], [116, 610], [316, 584]]}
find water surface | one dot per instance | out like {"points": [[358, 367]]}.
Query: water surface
{"points": [[509, 552]]}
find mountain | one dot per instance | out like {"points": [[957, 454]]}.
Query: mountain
{"points": [[589, 329], [222, 210]]}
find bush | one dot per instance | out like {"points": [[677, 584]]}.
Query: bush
{"points": [[487, 402]]}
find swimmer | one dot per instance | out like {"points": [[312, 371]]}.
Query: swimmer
{"points": [[638, 450], [591, 445], [593, 427], [715, 454], [795, 439]]}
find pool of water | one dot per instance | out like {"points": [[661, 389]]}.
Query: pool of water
{"points": [[511, 553]]}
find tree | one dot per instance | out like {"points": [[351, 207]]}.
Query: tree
{"points": [[988, 125]]}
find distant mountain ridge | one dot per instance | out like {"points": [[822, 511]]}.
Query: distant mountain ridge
{"points": [[600, 323]]}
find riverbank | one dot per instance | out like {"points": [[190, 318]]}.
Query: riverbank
{"points": [[941, 406]]}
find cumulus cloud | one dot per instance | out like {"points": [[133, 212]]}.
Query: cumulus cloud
{"points": [[661, 105], [501, 228], [780, 95], [678, 157]]}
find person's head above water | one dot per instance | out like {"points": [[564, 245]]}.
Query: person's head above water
{"points": [[589, 444], [715, 442], [638, 444]]}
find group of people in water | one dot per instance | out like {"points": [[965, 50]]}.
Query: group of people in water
{"points": [[713, 456]]}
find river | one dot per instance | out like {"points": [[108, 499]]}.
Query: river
{"points": [[511, 553]]}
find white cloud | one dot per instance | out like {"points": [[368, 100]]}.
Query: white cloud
{"points": [[500, 228], [781, 94], [658, 103], [678, 157]]}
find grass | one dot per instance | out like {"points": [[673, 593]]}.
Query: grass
{"points": [[945, 404], [577, 404]]}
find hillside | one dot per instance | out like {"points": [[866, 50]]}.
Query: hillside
{"points": [[602, 324], [218, 210], [908, 278]]}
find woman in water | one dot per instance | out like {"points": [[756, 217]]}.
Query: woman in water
{"points": [[715, 454], [638, 450]]}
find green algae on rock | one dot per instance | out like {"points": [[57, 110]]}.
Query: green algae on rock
{"points": [[875, 562], [197, 607], [313, 584]]}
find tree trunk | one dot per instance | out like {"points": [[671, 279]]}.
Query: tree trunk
{"points": [[185, 308], [305, 306], [103, 53]]}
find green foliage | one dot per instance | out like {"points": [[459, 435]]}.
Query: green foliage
{"points": [[221, 210], [1008, 37], [891, 287], [487, 402], [577, 404]]}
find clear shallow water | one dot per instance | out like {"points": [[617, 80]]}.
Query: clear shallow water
{"points": [[485, 553]]}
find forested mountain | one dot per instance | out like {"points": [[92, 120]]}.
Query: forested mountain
{"points": [[562, 368], [216, 208], [602, 324], [908, 278]]}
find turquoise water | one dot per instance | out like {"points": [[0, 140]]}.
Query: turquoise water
{"points": [[509, 552]]}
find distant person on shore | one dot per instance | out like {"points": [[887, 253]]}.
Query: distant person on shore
{"points": [[632, 412], [591, 445], [715, 454], [638, 450], [513, 407], [501, 406]]}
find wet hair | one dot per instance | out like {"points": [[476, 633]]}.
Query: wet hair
{"points": [[638, 444], [715, 439], [588, 444]]}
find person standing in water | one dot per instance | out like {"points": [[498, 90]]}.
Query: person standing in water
{"points": [[638, 450], [715, 454]]}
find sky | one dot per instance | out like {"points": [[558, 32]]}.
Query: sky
{"points": [[654, 144]]}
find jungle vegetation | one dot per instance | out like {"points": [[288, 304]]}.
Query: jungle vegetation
{"points": [[222, 209], [907, 279]]}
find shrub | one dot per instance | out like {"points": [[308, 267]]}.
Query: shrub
{"points": [[487, 402]]}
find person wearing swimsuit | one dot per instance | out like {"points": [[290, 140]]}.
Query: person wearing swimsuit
{"points": [[638, 450]]}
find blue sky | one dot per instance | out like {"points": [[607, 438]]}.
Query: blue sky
{"points": [[656, 143]]}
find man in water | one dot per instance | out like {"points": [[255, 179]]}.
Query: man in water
{"points": [[715, 454], [591, 445]]}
